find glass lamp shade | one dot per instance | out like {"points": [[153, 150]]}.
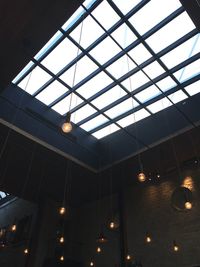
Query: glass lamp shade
{"points": [[141, 177], [67, 126], [62, 210], [112, 225], [61, 240], [98, 249], [188, 205], [91, 263], [13, 227], [26, 251], [148, 239], [62, 258]]}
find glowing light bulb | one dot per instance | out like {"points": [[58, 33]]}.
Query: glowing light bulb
{"points": [[148, 239], [62, 210], [25, 251], [14, 228], [98, 250], [62, 240], [128, 257], [62, 258], [188, 205], [176, 248], [112, 225], [141, 177], [91, 263], [67, 127]]}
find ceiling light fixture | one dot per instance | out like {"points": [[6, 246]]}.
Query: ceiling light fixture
{"points": [[67, 126], [175, 246]]}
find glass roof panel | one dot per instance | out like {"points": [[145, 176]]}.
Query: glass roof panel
{"points": [[159, 105], [95, 85], [174, 30], [126, 6], [51, 92], [188, 72], [165, 8], [81, 71], [93, 123], [153, 70], [34, 80], [106, 131], [90, 32], [124, 36], [62, 107], [105, 15], [82, 113], [77, 14], [121, 67], [108, 97], [182, 52], [105, 50], [48, 45], [121, 108], [23, 71], [139, 54], [63, 54], [132, 118], [177, 96], [148, 94], [166, 84], [193, 88], [137, 80]]}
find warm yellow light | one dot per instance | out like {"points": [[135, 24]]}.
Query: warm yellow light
{"points": [[98, 250], [148, 239], [91, 263], [188, 183], [128, 257], [176, 248], [14, 228], [141, 177], [62, 210], [62, 258], [188, 205], [62, 240], [67, 127], [25, 251], [112, 225]]}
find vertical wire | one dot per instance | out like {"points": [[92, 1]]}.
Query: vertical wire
{"points": [[111, 179]]}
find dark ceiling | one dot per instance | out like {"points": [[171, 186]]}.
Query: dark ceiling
{"points": [[25, 28]]}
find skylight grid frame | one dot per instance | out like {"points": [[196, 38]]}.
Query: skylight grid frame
{"points": [[85, 52]]}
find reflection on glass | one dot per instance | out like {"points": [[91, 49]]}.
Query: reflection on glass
{"points": [[182, 52], [81, 71], [148, 94], [144, 21], [95, 122], [62, 107], [105, 15], [132, 118], [51, 92], [121, 108], [174, 30], [34, 80], [64, 53], [105, 50], [95, 85], [108, 97], [106, 131]]}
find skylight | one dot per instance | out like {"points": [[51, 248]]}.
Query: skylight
{"points": [[122, 63]]}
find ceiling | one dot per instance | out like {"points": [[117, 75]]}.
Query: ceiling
{"points": [[32, 121]]}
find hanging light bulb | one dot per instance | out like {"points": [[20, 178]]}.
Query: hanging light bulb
{"points": [[91, 263], [128, 257], [175, 246], [62, 258], [62, 239], [62, 210], [26, 251], [188, 205], [102, 238], [67, 126], [14, 227], [112, 225], [98, 249], [148, 238], [141, 177]]}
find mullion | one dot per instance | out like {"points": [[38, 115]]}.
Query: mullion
{"points": [[147, 103]]}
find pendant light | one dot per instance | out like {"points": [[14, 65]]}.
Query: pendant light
{"points": [[148, 238], [99, 250], [101, 238], [91, 263], [175, 246], [67, 126]]}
